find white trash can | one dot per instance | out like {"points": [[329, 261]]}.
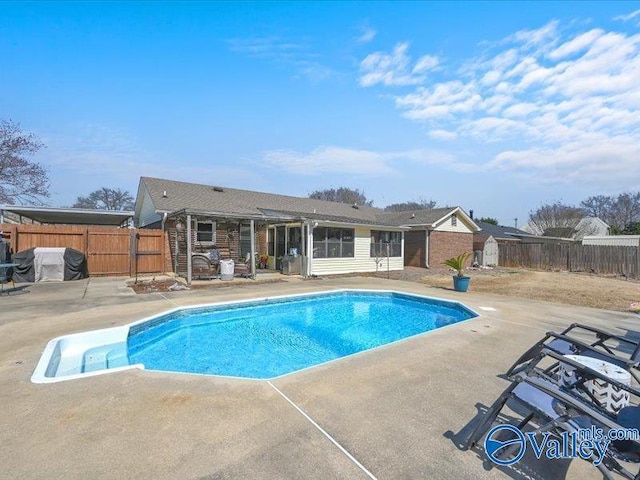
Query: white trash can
{"points": [[226, 269]]}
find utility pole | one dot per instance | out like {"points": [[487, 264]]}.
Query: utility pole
{"points": [[516, 221]]}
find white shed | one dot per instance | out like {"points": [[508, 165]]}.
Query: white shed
{"points": [[486, 253], [612, 240]]}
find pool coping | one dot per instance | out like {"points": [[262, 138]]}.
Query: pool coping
{"points": [[122, 332]]}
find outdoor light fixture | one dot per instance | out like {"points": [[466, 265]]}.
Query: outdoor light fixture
{"points": [[179, 227]]}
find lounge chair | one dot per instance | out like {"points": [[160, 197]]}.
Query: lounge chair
{"points": [[202, 266], [556, 409], [564, 344], [243, 268]]}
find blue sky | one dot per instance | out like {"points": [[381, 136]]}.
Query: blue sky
{"points": [[496, 107]]}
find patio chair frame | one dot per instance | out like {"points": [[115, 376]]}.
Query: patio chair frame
{"points": [[574, 407]]}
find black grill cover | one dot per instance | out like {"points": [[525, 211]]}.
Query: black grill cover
{"points": [[75, 265], [25, 272]]}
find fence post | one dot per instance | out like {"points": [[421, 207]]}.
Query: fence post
{"points": [[132, 252]]}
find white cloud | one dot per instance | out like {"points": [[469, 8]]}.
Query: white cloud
{"points": [[559, 102], [544, 35], [299, 55], [576, 44], [442, 134], [630, 16], [394, 69], [329, 160], [368, 34], [425, 63], [360, 162]]}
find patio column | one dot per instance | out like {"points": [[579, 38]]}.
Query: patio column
{"points": [[310, 249], [426, 247], [252, 232], [303, 250], [188, 249]]}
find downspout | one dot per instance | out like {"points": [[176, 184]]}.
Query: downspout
{"points": [[164, 219]]}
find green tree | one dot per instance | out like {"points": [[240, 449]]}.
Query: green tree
{"points": [[632, 229], [22, 181], [342, 195], [419, 204], [106, 199], [489, 220]]}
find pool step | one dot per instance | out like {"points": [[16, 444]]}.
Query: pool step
{"points": [[104, 357]]}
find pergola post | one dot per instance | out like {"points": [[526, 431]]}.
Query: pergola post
{"points": [[303, 250], [188, 249], [252, 232], [310, 249]]}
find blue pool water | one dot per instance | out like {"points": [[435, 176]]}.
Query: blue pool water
{"points": [[271, 338]]}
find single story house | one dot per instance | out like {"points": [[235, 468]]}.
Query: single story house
{"points": [[434, 235], [329, 237]]}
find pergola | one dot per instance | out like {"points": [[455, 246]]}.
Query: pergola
{"points": [[184, 220]]}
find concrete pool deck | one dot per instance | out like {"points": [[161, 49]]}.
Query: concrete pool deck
{"points": [[397, 410]]}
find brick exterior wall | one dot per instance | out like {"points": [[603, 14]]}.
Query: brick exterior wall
{"points": [[444, 245]]}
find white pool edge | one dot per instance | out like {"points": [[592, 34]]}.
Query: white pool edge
{"points": [[106, 336]]}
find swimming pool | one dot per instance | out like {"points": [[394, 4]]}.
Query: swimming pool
{"points": [[257, 339]]}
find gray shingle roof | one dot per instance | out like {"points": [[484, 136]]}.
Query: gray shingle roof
{"points": [[559, 232], [500, 231], [192, 196], [414, 217], [232, 201]]}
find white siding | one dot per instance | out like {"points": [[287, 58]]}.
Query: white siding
{"points": [[360, 262], [461, 227], [613, 240], [148, 213]]}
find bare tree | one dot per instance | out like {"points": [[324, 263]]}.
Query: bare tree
{"points": [[617, 212], [598, 206], [554, 215], [106, 199], [342, 195], [22, 180], [419, 204], [625, 210]]}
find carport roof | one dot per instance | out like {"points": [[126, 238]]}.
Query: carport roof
{"points": [[70, 216]]}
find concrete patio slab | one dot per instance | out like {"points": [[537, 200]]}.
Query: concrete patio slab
{"points": [[398, 410]]}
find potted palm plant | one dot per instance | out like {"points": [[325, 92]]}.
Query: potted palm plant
{"points": [[460, 281]]}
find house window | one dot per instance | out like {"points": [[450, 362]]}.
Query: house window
{"points": [[271, 246], [454, 220], [333, 242], [381, 239], [206, 232]]}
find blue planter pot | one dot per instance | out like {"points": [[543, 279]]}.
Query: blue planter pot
{"points": [[460, 284]]}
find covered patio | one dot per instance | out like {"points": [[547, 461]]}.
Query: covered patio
{"points": [[246, 239]]}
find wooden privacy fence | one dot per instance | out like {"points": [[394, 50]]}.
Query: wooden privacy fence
{"points": [[600, 259], [109, 251]]}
